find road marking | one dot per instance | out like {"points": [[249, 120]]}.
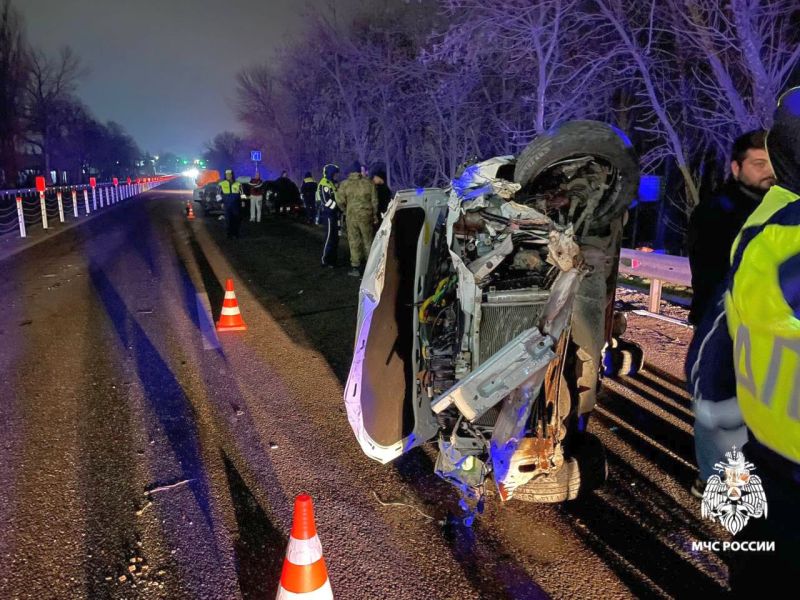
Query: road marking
{"points": [[206, 322]]}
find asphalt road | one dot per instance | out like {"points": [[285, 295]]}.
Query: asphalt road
{"points": [[143, 457]]}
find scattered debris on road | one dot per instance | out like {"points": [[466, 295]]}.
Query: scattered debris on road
{"points": [[164, 488], [396, 503]]}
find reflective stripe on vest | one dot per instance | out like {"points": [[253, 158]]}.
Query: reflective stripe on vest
{"points": [[764, 321], [226, 187]]}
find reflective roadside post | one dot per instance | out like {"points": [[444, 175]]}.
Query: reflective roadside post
{"points": [[40, 187], [93, 185], [128, 188], [75, 203], [21, 217], [86, 200], [115, 190], [60, 199]]}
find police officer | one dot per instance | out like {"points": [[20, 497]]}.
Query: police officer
{"points": [[308, 191], [763, 312], [231, 191], [358, 199], [326, 198]]}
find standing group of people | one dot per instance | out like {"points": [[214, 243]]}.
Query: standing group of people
{"points": [[359, 200], [743, 365], [279, 196]]}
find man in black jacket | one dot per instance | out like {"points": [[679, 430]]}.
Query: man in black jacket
{"points": [[716, 222], [288, 195], [713, 227], [308, 191], [384, 193]]}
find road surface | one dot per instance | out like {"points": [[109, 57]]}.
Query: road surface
{"points": [[145, 457]]}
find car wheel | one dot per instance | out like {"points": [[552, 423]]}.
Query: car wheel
{"points": [[577, 139], [584, 471]]}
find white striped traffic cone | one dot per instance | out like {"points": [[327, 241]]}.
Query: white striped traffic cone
{"points": [[304, 575], [231, 318]]}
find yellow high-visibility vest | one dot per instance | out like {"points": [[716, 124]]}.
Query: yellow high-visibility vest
{"points": [[763, 311], [227, 187]]}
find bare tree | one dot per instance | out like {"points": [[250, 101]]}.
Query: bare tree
{"points": [[746, 51], [49, 95], [538, 49], [227, 151], [682, 77], [653, 68], [13, 73]]}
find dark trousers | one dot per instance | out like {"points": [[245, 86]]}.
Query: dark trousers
{"points": [[749, 571], [311, 212], [233, 217], [330, 221]]}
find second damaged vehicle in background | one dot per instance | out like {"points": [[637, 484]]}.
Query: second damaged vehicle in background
{"points": [[483, 313]]}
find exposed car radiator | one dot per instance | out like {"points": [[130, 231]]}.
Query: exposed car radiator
{"points": [[502, 322]]}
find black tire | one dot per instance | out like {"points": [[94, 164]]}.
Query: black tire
{"points": [[578, 138], [584, 471], [622, 358]]}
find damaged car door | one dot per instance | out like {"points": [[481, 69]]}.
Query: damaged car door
{"points": [[384, 408]]}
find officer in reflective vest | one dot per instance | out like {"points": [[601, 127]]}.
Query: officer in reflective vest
{"points": [[231, 191], [326, 198], [763, 311]]}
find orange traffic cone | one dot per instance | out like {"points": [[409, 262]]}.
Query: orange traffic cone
{"points": [[191, 211], [231, 318], [304, 574]]}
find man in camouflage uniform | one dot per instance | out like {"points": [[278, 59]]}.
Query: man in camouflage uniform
{"points": [[358, 200]]}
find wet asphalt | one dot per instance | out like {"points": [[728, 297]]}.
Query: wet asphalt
{"points": [[145, 457]]}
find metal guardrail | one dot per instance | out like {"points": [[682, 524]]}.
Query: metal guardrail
{"points": [[22, 208], [658, 268]]}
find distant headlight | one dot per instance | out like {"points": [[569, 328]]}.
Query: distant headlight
{"points": [[193, 173]]}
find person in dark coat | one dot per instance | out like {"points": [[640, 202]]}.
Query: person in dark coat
{"points": [[716, 222], [308, 191], [384, 193], [288, 194], [713, 227]]}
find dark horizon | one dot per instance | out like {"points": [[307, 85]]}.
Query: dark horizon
{"points": [[163, 70]]}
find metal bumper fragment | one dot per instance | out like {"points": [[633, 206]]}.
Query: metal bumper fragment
{"points": [[495, 379]]}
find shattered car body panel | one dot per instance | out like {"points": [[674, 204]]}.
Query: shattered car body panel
{"points": [[481, 319]]}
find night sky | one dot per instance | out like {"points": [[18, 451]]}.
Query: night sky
{"points": [[165, 69]]}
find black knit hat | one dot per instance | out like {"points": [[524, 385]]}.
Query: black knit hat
{"points": [[783, 141]]}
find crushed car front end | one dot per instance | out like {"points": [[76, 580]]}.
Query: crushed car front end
{"points": [[483, 314]]}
